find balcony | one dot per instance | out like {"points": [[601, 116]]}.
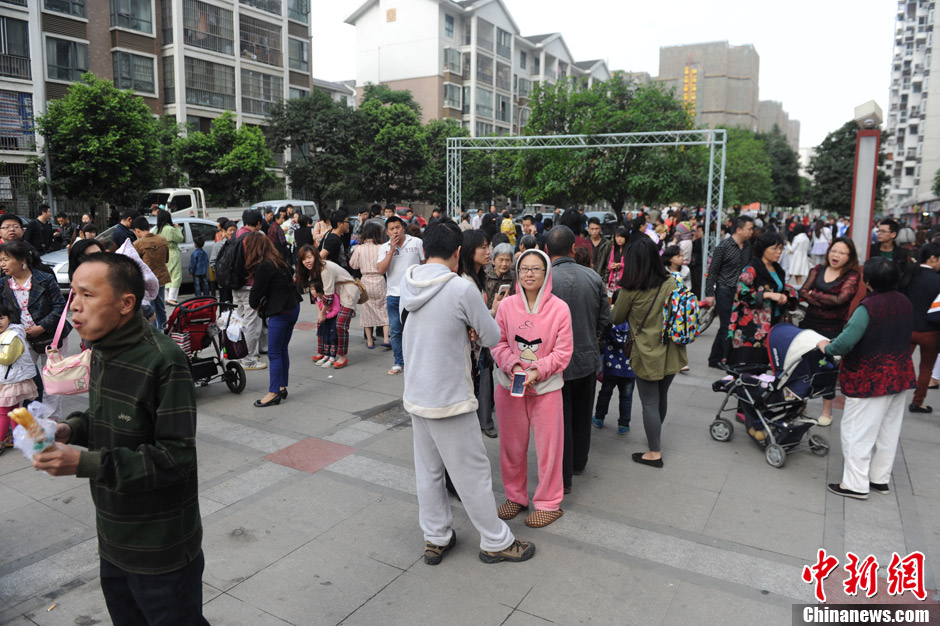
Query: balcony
{"points": [[485, 43], [271, 6], [16, 3], [504, 51], [485, 77], [13, 66]]}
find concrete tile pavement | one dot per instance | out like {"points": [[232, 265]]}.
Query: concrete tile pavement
{"points": [[716, 537]]}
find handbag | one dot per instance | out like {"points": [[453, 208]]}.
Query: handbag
{"points": [[631, 336], [65, 376], [363, 294]]}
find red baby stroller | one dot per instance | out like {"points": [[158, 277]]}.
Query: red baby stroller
{"points": [[192, 325]]}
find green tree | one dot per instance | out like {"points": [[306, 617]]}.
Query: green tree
{"points": [[387, 95], [231, 164], [645, 174], [784, 169], [432, 179], [167, 171], [833, 171], [391, 151], [102, 143], [320, 133], [748, 171]]}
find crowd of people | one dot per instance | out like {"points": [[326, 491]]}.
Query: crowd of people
{"points": [[494, 331]]}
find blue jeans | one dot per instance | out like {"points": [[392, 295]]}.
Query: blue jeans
{"points": [[280, 329], [173, 599], [159, 309], [201, 285], [625, 385], [394, 327]]}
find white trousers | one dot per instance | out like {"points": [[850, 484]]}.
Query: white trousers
{"points": [[455, 443], [871, 428], [936, 370], [253, 325], [173, 294]]}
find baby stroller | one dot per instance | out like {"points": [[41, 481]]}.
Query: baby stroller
{"points": [[773, 404], [193, 325]]}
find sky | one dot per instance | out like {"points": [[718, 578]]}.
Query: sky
{"points": [[820, 58]]}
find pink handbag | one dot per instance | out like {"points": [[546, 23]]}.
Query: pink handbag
{"points": [[65, 376]]}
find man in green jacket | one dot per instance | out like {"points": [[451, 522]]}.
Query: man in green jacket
{"points": [[139, 431]]}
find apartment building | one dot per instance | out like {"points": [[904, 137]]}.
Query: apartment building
{"points": [[772, 114], [913, 120], [192, 59], [465, 60], [343, 92]]}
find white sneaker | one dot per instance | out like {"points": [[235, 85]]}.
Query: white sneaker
{"points": [[254, 365], [822, 420], [328, 363], [684, 370], [322, 360]]}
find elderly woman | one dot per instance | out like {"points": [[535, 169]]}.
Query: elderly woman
{"points": [[499, 274], [761, 300], [876, 376]]}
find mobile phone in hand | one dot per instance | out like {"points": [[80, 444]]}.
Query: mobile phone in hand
{"points": [[518, 385]]}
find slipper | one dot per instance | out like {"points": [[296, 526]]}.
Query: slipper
{"points": [[368, 347], [509, 509], [638, 458], [396, 369], [338, 365], [386, 345], [541, 519]]}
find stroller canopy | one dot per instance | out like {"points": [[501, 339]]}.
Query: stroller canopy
{"points": [[793, 362]]}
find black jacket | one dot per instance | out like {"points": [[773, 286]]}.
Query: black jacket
{"points": [[273, 290], [921, 291]]}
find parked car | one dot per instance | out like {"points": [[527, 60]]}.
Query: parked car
{"points": [[608, 221], [192, 227], [304, 207]]}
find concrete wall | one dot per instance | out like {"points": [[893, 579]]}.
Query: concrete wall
{"points": [[388, 51], [427, 91]]}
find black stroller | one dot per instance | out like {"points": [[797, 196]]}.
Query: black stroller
{"points": [[773, 404]]}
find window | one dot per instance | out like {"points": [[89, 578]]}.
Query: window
{"points": [[208, 26], [484, 129], [260, 40], [14, 48], [167, 26], [66, 60], [132, 71], [169, 80], [449, 26], [260, 91], [467, 33], [69, 7], [466, 100], [452, 96], [485, 69], [523, 117], [132, 14], [452, 60], [485, 35], [271, 6], [503, 77], [298, 53], [525, 86], [298, 10], [297, 92], [197, 229], [537, 66], [16, 121], [503, 107], [484, 102], [503, 43], [210, 84], [522, 59]]}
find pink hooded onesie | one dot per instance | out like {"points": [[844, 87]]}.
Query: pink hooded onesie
{"points": [[539, 338]]}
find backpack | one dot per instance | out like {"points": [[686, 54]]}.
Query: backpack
{"points": [[230, 263], [680, 316]]}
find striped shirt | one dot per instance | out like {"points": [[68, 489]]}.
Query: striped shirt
{"points": [[140, 431], [727, 264]]}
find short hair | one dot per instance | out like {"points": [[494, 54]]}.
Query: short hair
{"points": [[90, 228], [394, 219], [124, 276], [129, 214], [304, 220], [742, 221], [78, 253], [435, 210], [442, 239], [63, 216], [880, 274], [389, 207], [199, 242], [11, 310], [140, 223], [892, 225], [7, 217], [372, 232], [18, 250], [43, 208], [669, 252], [268, 210], [505, 215], [766, 240], [497, 239], [409, 210], [502, 249], [530, 218], [559, 240], [572, 219], [338, 217], [527, 242], [251, 218], [594, 220], [928, 250], [222, 221]]}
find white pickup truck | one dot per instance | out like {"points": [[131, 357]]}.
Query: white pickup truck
{"points": [[179, 201]]}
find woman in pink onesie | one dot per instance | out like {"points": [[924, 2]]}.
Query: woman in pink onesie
{"points": [[535, 338]]}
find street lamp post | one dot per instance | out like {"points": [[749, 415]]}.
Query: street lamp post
{"points": [[864, 184]]}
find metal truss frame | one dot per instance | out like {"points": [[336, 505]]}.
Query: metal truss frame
{"points": [[714, 139]]}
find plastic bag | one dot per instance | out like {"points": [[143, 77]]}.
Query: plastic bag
{"points": [[233, 325], [151, 284], [29, 445]]}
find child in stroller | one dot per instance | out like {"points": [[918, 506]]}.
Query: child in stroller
{"points": [[774, 403]]}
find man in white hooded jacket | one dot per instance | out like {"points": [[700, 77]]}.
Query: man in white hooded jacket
{"points": [[440, 313]]}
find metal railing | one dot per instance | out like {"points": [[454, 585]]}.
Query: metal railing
{"points": [[14, 66]]}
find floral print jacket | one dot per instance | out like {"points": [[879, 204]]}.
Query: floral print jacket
{"points": [[752, 316]]}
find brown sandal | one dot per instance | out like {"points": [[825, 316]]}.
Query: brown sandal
{"points": [[541, 519], [509, 509]]}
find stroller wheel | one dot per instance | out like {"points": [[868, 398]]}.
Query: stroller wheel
{"points": [[776, 455], [721, 429], [235, 377], [818, 445]]}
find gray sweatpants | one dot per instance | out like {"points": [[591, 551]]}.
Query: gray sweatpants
{"points": [[653, 397], [455, 443]]}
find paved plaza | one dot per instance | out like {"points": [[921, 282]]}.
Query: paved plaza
{"points": [[311, 518]]}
